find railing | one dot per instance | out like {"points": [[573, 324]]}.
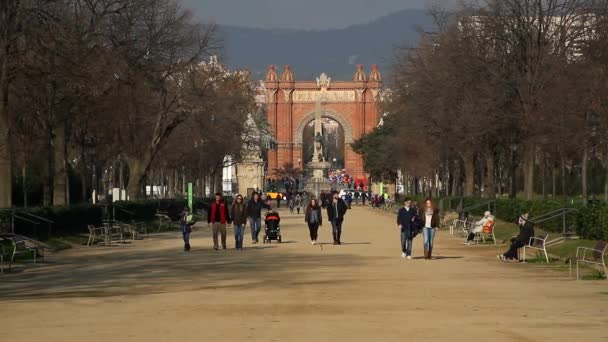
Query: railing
{"points": [[555, 214], [490, 203]]}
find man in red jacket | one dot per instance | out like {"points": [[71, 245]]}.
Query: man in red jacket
{"points": [[218, 217]]}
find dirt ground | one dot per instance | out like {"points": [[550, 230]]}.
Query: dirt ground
{"points": [[151, 290]]}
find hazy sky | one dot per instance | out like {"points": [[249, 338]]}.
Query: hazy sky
{"points": [[300, 14]]}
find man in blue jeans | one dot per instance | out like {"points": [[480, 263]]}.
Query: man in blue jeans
{"points": [[406, 222], [254, 212]]}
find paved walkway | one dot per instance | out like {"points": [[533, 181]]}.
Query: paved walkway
{"points": [[361, 291]]}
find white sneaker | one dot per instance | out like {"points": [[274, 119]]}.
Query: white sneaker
{"points": [[403, 255], [409, 257], [312, 242]]}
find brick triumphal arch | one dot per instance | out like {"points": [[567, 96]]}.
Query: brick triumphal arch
{"points": [[291, 106]]}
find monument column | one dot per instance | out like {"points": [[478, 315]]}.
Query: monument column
{"points": [[272, 84], [360, 80], [287, 85]]}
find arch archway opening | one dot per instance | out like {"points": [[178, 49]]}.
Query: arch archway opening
{"points": [[333, 142]]}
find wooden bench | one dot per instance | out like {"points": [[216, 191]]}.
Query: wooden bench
{"points": [[592, 256]]}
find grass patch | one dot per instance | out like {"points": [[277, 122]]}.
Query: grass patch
{"points": [[568, 248], [63, 243]]}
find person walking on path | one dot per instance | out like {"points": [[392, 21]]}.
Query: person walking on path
{"points": [[238, 213], [186, 221], [313, 217], [336, 209], [254, 212], [298, 203], [429, 215], [218, 217], [291, 203], [526, 231], [406, 222]]}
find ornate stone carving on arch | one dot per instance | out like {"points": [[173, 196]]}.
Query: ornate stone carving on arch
{"points": [[348, 129]]}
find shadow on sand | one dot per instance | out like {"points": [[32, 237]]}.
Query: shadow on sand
{"points": [[111, 272]]}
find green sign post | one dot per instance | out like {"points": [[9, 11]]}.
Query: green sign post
{"points": [[190, 197]]}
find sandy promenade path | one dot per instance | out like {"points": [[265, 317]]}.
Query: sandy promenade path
{"points": [[360, 291]]}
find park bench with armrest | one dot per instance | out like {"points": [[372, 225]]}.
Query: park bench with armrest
{"points": [[140, 227], [96, 233], [14, 245], [162, 217], [487, 232], [592, 256], [462, 225], [539, 244]]}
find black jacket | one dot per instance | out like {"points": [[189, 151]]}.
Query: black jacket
{"points": [[254, 209], [331, 210], [525, 233]]}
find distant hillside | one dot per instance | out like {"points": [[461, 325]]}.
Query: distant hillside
{"points": [[335, 52]]}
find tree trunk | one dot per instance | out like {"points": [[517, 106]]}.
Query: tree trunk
{"points": [[170, 186], [455, 178], [6, 181], [606, 183], [24, 183], [530, 154], [59, 169], [121, 174], [543, 169], [84, 175], [584, 182], [203, 185], [564, 192], [490, 186], [469, 174], [137, 171], [513, 176], [218, 182], [184, 190], [554, 181], [175, 182]]}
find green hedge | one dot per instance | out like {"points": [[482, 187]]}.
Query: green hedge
{"points": [[72, 220]]}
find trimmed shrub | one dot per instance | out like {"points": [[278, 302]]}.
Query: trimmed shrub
{"points": [[72, 220]]}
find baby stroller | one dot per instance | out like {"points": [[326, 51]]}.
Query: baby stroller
{"points": [[273, 228]]}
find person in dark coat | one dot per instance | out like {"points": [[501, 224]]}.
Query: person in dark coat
{"points": [[314, 219], [406, 222], [336, 209], [238, 213], [254, 212], [526, 231]]}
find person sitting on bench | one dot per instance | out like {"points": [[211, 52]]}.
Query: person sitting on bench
{"points": [[486, 220], [526, 231]]}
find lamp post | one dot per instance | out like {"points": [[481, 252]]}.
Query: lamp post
{"points": [[299, 174]]}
